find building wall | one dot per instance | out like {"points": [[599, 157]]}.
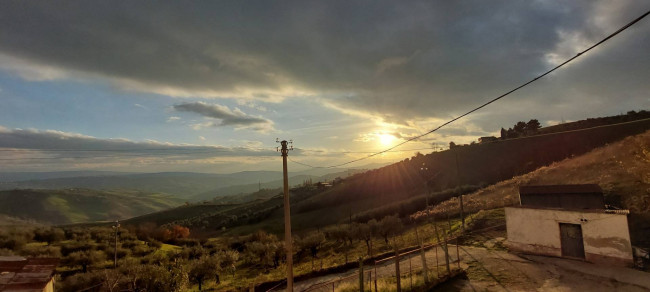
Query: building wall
{"points": [[606, 236], [50, 286]]}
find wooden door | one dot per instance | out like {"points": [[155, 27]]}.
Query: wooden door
{"points": [[571, 240]]}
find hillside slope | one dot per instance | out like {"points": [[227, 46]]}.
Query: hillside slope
{"points": [[188, 186], [80, 205], [254, 187], [622, 169], [182, 185], [479, 164]]}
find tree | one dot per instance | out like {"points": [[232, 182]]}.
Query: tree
{"points": [[312, 242], [263, 249], [111, 280], [510, 133], [177, 279], [228, 259], [180, 232], [192, 253], [13, 240], [342, 234], [389, 226], [365, 232], [85, 258], [204, 268], [520, 128], [49, 235], [532, 127], [259, 253], [132, 271]]}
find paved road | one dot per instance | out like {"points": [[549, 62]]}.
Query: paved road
{"points": [[495, 270]]}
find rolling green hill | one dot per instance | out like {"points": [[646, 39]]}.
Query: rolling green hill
{"points": [[478, 165], [80, 205], [179, 184], [207, 219], [187, 186], [250, 188]]}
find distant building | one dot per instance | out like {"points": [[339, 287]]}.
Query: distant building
{"points": [[487, 139], [569, 221], [27, 274], [323, 185]]}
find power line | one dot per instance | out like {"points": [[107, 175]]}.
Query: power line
{"points": [[135, 154], [305, 164], [390, 149], [498, 97], [350, 152], [361, 152]]}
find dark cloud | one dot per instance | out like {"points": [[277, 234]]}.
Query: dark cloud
{"points": [[63, 144], [227, 116], [399, 61]]}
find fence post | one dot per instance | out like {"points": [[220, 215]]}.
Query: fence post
{"points": [[398, 275], [450, 234], [423, 256], [445, 249], [437, 264], [375, 264], [361, 274], [457, 252], [410, 273]]}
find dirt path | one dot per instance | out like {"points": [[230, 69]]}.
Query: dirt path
{"points": [[495, 270]]}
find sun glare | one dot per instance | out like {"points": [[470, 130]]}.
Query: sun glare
{"points": [[386, 139]]}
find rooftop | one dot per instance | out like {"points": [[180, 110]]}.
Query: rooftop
{"points": [[561, 189], [26, 274], [585, 196]]}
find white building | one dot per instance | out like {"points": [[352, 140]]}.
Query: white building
{"points": [[569, 221]]}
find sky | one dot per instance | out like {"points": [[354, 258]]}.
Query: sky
{"points": [[208, 86]]}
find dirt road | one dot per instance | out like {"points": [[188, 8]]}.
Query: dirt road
{"points": [[496, 270]]}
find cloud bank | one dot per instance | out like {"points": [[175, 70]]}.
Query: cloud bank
{"points": [[227, 117], [396, 62], [66, 144]]}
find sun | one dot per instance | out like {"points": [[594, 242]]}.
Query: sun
{"points": [[386, 139]]}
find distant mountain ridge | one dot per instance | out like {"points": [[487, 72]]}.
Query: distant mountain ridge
{"points": [[188, 186], [25, 176], [251, 188], [80, 205]]}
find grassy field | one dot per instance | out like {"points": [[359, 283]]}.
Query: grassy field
{"points": [[80, 205]]}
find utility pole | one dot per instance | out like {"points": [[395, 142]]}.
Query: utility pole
{"points": [[423, 172], [462, 216], [288, 242], [116, 227]]}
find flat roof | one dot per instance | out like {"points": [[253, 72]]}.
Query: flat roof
{"points": [[26, 274], [560, 189], [606, 211]]}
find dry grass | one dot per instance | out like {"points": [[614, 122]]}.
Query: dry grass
{"points": [[622, 169]]}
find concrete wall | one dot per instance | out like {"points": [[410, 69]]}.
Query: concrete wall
{"points": [[606, 236], [50, 286]]}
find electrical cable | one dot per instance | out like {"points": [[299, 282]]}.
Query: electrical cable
{"points": [[500, 96]]}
